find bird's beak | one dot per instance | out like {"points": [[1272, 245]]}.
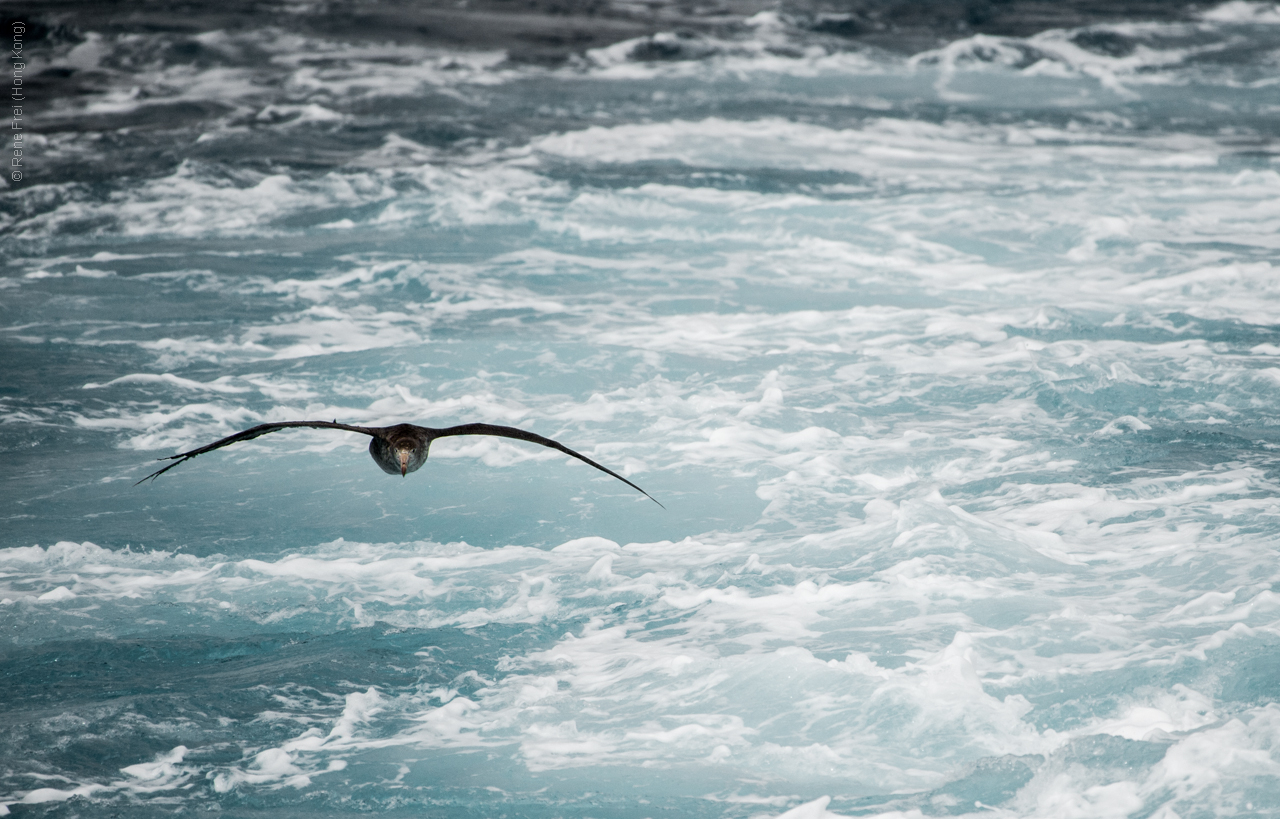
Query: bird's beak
{"points": [[404, 462]]}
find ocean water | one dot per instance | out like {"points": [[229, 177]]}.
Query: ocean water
{"points": [[957, 372]]}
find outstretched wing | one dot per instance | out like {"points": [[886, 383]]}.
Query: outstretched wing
{"points": [[521, 435], [253, 432]]}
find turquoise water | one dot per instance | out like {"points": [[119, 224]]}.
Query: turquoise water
{"points": [[956, 373]]}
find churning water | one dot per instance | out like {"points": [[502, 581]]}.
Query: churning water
{"points": [[956, 372]]}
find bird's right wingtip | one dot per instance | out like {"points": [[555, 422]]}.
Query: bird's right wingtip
{"points": [[644, 493], [160, 472]]}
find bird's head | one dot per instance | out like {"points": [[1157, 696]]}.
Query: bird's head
{"points": [[408, 454], [401, 452]]}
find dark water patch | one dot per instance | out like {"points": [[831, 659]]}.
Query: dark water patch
{"points": [[91, 707], [1116, 755], [1072, 698], [64, 82], [819, 184], [752, 297], [455, 786], [1102, 41], [1018, 18], [1248, 670], [160, 115], [1159, 329], [991, 782], [848, 25], [39, 31], [38, 377], [1166, 451]]}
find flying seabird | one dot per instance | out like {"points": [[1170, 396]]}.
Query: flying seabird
{"points": [[399, 449]]}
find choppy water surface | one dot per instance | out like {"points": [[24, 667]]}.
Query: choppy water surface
{"points": [[957, 374]]}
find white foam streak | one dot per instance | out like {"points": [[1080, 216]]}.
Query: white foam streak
{"points": [[222, 384], [194, 202], [1243, 11], [282, 766]]}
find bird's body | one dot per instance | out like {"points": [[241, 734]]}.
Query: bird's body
{"points": [[398, 449], [412, 441]]}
